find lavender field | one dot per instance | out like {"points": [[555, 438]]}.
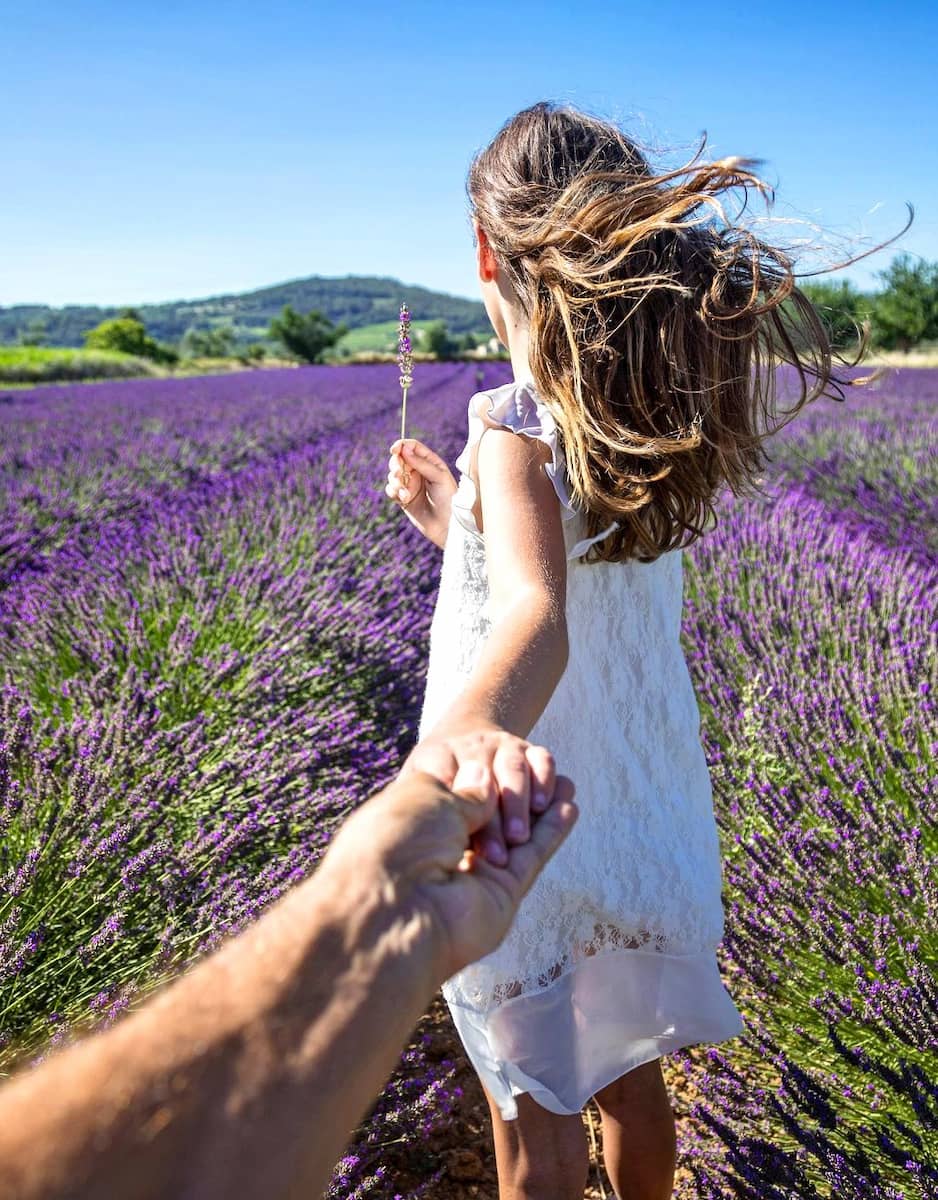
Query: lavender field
{"points": [[213, 633]]}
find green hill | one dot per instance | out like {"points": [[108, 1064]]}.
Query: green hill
{"points": [[356, 300]]}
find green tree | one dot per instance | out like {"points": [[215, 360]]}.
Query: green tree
{"points": [[218, 342], [906, 310], [35, 333], [843, 309], [128, 336], [307, 336], [436, 340]]}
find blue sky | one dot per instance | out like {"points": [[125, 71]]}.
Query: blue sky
{"points": [[158, 152]]}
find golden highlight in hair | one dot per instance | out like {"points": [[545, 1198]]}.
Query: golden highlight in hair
{"points": [[656, 323]]}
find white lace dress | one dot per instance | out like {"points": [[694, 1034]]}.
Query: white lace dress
{"points": [[611, 959]]}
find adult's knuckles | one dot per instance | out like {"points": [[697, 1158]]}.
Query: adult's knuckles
{"points": [[473, 741], [512, 761], [542, 757]]}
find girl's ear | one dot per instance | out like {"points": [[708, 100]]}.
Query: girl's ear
{"points": [[487, 263]]}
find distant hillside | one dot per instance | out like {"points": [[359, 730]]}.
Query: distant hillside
{"points": [[356, 300]]}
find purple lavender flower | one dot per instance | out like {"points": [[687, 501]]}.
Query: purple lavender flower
{"points": [[205, 664], [405, 364]]}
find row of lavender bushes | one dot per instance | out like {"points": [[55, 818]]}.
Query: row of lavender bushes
{"points": [[212, 643], [212, 632], [811, 625]]}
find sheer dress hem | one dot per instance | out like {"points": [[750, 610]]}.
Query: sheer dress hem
{"points": [[609, 1014]]}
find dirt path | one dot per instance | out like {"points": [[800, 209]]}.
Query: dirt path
{"points": [[464, 1149]]}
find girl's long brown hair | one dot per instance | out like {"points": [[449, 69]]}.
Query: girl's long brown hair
{"points": [[656, 323]]}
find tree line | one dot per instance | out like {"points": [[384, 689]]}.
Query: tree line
{"points": [[902, 315], [302, 336], [356, 300]]}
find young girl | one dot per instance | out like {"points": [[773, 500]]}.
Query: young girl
{"points": [[644, 329]]}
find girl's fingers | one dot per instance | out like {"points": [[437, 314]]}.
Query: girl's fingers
{"points": [[526, 861], [474, 779], [419, 457], [397, 489], [398, 469], [543, 777], [401, 444], [435, 758], [488, 842], [425, 461], [513, 778], [397, 494], [400, 476]]}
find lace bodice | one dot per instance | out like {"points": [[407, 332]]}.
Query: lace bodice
{"points": [[641, 868]]}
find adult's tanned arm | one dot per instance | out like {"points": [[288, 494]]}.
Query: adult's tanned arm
{"points": [[246, 1076]]}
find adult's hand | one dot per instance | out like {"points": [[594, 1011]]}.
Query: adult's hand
{"points": [[416, 837], [519, 773], [246, 1075]]}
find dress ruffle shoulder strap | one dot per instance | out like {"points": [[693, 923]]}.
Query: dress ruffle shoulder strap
{"points": [[516, 406]]}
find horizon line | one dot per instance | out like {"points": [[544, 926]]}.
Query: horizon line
{"points": [[245, 292]]}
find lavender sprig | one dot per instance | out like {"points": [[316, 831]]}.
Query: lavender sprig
{"points": [[405, 362]]}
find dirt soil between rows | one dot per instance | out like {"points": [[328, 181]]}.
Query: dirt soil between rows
{"points": [[464, 1149]]}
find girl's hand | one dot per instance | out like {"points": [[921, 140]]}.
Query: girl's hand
{"points": [[520, 775], [423, 485]]}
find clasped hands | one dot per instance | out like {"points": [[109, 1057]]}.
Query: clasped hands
{"points": [[519, 776], [442, 840]]}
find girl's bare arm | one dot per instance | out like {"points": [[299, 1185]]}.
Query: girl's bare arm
{"points": [[525, 655]]}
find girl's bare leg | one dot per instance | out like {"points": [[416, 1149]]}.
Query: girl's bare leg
{"points": [[639, 1138], [540, 1155]]}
